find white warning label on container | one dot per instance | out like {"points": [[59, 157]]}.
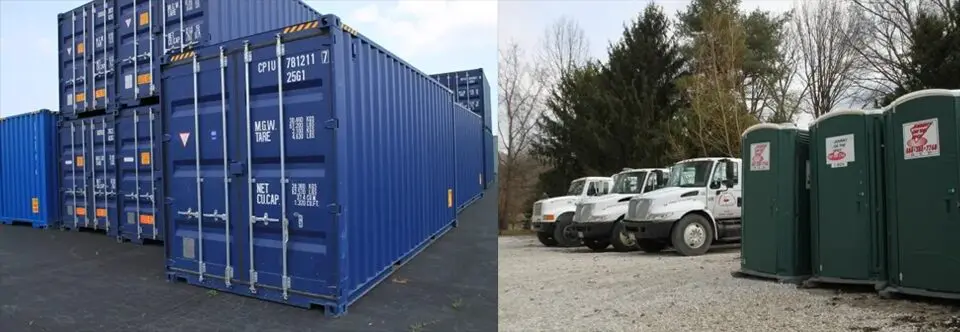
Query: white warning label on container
{"points": [[760, 161], [128, 81], [921, 139], [840, 150]]}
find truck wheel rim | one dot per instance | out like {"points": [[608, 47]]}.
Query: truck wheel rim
{"points": [[569, 233], [625, 239], [694, 235]]}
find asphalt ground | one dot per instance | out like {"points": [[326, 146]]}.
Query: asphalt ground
{"points": [[52, 280]]}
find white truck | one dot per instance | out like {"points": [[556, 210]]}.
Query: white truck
{"points": [[597, 220], [700, 205], [552, 217]]}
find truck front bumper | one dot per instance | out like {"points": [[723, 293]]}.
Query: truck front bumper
{"points": [[651, 230], [593, 230], [543, 227]]}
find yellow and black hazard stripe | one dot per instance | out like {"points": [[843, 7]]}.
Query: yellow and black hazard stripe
{"points": [[181, 56], [301, 27], [349, 29]]}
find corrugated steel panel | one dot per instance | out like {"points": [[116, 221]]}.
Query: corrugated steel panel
{"points": [[88, 173], [472, 90], [315, 136], [28, 168], [469, 140], [139, 136], [489, 157], [112, 49]]}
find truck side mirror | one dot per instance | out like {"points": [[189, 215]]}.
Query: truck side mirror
{"points": [[731, 176]]}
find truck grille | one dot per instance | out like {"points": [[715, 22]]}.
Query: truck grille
{"points": [[583, 211], [638, 209], [536, 211]]}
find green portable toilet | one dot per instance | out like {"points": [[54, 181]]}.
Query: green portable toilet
{"points": [[923, 194], [847, 226], [776, 203]]}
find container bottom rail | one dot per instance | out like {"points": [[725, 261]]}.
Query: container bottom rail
{"points": [[469, 202], [332, 307], [40, 224]]}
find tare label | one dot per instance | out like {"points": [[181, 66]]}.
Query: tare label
{"points": [[921, 139], [840, 150], [263, 130], [264, 196], [760, 159]]}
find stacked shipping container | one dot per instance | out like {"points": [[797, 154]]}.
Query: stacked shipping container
{"points": [[110, 56], [472, 90]]}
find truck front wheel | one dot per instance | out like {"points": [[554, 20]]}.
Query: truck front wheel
{"points": [[563, 231], [692, 235], [546, 239], [620, 240]]}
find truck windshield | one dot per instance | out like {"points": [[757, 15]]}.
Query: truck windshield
{"points": [[629, 183], [690, 174], [576, 188]]}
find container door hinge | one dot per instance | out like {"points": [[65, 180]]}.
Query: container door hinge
{"points": [[166, 138], [335, 208], [353, 49], [332, 124]]}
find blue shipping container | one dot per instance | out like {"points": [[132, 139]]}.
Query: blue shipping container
{"points": [[110, 50], [28, 169], [489, 157], [470, 163], [472, 90], [88, 174], [139, 136], [296, 139]]}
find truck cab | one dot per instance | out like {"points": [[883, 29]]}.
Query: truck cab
{"points": [[597, 219], [551, 217], [700, 205]]}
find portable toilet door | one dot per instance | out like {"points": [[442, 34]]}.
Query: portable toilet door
{"points": [[775, 235], [923, 180], [847, 229]]}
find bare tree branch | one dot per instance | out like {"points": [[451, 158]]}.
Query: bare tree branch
{"points": [[564, 46], [828, 33]]}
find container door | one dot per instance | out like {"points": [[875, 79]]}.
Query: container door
{"points": [[138, 176], [199, 182], [293, 237], [103, 173], [74, 67], [760, 183], [925, 143], [844, 230], [135, 50], [73, 162], [103, 55], [182, 25]]}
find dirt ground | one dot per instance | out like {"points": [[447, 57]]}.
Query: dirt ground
{"points": [[575, 289]]}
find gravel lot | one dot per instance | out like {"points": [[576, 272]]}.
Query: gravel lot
{"points": [[575, 289]]}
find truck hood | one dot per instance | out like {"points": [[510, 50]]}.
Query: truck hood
{"points": [[664, 203], [559, 200], [605, 208]]}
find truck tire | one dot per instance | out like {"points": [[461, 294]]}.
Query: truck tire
{"points": [[546, 239], [563, 232], [651, 246], [692, 235], [619, 239], [597, 245]]}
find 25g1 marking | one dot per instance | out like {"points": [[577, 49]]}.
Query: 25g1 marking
{"points": [[296, 76]]}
